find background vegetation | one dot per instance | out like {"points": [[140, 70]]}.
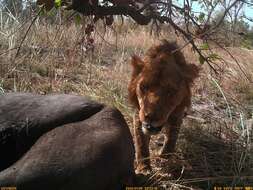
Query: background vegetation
{"points": [[53, 53]]}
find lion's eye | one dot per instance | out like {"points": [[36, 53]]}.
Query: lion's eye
{"points": [[170, 92], [143, 88]]}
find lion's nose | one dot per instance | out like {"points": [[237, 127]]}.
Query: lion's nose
{"points": [[146, 125], [151, 128], [148, 117]]}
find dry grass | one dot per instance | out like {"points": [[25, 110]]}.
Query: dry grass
{"points": [[215, 144]]}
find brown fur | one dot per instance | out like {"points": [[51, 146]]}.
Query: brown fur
{"points": [[160, 91]]}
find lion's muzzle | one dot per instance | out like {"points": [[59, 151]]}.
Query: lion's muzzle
{"points": [[147, 128]]}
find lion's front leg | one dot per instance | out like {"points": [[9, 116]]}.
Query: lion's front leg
{"points": [[171, 131], [170, 140], [141, 148]]}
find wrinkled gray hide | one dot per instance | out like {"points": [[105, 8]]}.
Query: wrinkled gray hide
{"points": [[25, 117], [96, 153]]}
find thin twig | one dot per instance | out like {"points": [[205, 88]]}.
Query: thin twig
{"points": [[26, 33], [237, 63]]}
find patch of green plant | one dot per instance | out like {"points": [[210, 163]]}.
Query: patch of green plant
{"points": [[247, 43], [1, 87]]}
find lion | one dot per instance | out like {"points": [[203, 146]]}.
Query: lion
{"points": [[160, 90]]}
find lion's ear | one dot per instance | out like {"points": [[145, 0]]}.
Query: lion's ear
{"points": [[191, 72], [137, 65]]}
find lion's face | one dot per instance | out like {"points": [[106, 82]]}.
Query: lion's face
{"points": [[158, 96]]}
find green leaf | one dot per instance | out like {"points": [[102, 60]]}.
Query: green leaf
{"points": [[213, 56], [57, 3], [43, 11], [52, 13], [204, 46], [201, 60], [77, 19], [201, 17]]}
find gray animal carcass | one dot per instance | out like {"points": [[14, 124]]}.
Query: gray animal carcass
{"points": [[63, 142]]}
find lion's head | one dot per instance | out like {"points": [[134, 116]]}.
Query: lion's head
{"points": [[160, 82]]}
